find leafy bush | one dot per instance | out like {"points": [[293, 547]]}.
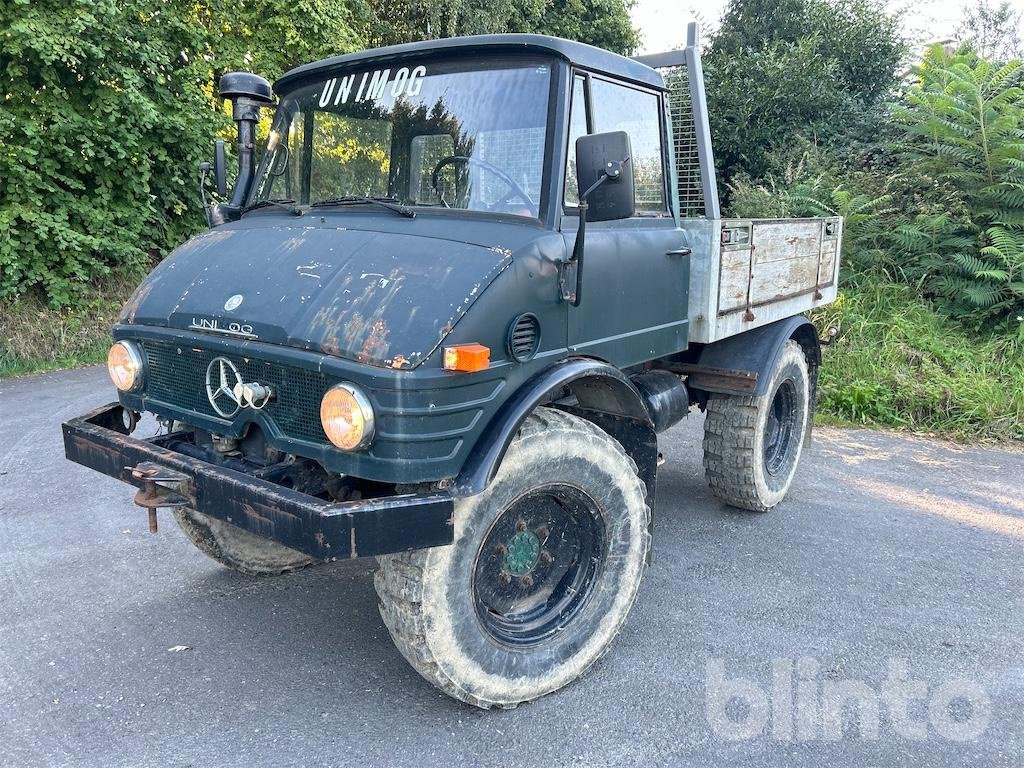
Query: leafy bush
{"points": [[109, 106], [604, 23], [964, 128], [898, 363], [100, 124]]}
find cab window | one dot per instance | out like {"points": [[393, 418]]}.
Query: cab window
{"points": [[617, 107]]}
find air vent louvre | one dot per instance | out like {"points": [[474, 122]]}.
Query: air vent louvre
{"points": [[524, 337]]}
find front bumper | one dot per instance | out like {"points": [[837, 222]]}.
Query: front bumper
{"points": [[324, 529]]}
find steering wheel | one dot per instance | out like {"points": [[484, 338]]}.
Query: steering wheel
{"points": [[514, 190]]}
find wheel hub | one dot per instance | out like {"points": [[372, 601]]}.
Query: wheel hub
{"points": [[537, 566], [522, 553]]}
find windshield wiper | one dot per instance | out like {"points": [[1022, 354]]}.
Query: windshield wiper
{"points": [[287, 205], [384, 202]]}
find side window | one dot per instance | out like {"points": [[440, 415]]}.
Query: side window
{"points": [[577, 128], [620, 108]]}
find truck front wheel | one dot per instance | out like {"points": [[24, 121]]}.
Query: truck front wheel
{"points": [[752, 444], [237, 549], [544, 567]]}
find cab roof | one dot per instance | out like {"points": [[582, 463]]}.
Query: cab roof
{"points": [[585, 56]]}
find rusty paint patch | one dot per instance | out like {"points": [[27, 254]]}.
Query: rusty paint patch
{"points": [[376, 344]]}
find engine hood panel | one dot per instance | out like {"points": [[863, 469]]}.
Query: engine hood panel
{"points": [[376, 297]]}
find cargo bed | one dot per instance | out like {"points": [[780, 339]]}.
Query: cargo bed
{"points": [[756, 271]]}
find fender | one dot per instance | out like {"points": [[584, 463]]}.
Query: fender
{"points": [[755, 352], [606, 397]]}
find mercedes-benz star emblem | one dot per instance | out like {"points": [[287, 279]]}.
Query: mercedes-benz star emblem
{"points": [[233, 303], [222, 377]]}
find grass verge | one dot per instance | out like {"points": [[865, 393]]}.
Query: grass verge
{"points": [[900, 364], [35, 337]]}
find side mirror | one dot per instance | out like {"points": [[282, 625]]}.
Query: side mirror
{"points": [[604, 175], [220, 168], [605, 180]]}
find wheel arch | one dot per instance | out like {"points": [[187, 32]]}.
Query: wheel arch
{"points": [[605, 396], [757, 351]]}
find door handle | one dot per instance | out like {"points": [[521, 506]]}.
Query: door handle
{"points": [[679, 252]]}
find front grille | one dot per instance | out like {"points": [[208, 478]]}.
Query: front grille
{"points": [[177, 376]]}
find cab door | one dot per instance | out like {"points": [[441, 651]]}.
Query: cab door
{"points": [[636, 271]]}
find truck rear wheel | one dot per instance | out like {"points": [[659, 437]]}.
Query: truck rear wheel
{"points": [[237, 549], [752, 445], [544, 567]]}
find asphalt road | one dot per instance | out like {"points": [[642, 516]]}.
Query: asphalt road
{"points": [[892, 556]]}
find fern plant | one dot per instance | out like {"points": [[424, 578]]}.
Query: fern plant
{"points": [[963, 123]]}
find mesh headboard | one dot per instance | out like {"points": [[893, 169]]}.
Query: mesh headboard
{"points": [[691, 134], [684, 137]]}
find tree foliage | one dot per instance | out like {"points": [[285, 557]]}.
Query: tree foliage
{"points": [[98, 123], [108, 106], [781, 73], [604, 23], [963, 122], [992, 30]]}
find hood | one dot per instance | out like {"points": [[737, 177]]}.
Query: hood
{"points": [[381, 298]]}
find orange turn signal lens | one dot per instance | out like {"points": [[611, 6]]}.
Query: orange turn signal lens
{"points": [[467, 357]]}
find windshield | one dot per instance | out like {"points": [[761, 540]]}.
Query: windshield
{"points": [[441, 134]]}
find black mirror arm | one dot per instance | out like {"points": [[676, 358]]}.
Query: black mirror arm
{"points": [[611, 172], [204, 169]]}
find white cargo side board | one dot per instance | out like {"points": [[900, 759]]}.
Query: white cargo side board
{"points": [[759, 271]]}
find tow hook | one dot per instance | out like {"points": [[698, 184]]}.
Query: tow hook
{"points": [[162, 487]]}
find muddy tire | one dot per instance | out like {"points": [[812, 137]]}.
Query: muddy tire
{"points": [[545, 566], [752, 445], [237, 549]]}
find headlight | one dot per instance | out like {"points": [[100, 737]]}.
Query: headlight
{"points": [[125, 366], [347, 417]]}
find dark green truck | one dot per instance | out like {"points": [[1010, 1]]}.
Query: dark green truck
{"points": [[441, 318]]}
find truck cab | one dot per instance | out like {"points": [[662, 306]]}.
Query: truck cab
{"points": [[441, 319]]}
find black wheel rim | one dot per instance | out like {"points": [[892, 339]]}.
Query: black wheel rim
{"points": [[779, 428], [538, 565]]}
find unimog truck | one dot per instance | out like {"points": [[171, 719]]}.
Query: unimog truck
{"points": [[440, 319]]}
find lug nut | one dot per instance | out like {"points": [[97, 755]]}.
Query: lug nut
{"points": [[542, 532], [501, 549], [545, 557], [520, 525], [504, 577], [526, 581]]}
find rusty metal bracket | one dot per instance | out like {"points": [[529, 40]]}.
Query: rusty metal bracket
{"points": [[161, 487], [748, 315], [713, 379]]}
